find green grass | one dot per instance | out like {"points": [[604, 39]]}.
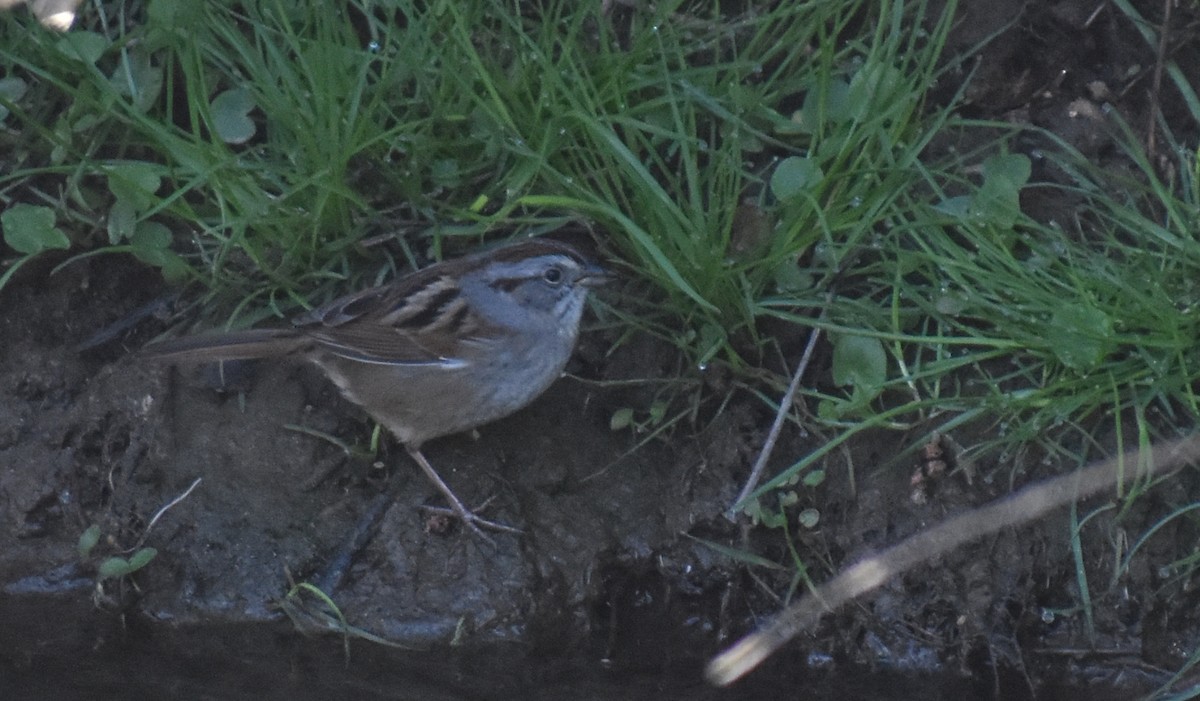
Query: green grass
{"points": [[270, 138], [1041, 332]]}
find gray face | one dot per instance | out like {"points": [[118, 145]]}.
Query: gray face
{"points": [[535, 293]]}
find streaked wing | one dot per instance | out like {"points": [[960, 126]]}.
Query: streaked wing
{"points": [[419, 319], [369, 302]]}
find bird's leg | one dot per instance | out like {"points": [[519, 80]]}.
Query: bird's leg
{"points": [[468, 518], [330, 578]]}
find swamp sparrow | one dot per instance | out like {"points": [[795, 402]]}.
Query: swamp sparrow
{"points": [[440, 350]]}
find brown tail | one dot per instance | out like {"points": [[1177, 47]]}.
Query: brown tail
{"points": [[237, 345]]}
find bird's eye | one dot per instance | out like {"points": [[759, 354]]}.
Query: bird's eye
{"points": [[553, 275]]}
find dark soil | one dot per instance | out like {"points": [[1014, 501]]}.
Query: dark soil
{"points": [[609, 592]]}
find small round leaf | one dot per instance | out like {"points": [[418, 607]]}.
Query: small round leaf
{"points": [[231, 116], [794, 175], [30, 229], [860, 362], [83, 46], [88, 540]]}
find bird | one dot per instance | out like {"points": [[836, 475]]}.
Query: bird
{"points": [[438, 351]]}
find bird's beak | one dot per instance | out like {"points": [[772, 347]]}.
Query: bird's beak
{"points": [[595, 276]]}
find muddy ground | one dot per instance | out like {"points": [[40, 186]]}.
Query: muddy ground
{"points": [[608, 593]]}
